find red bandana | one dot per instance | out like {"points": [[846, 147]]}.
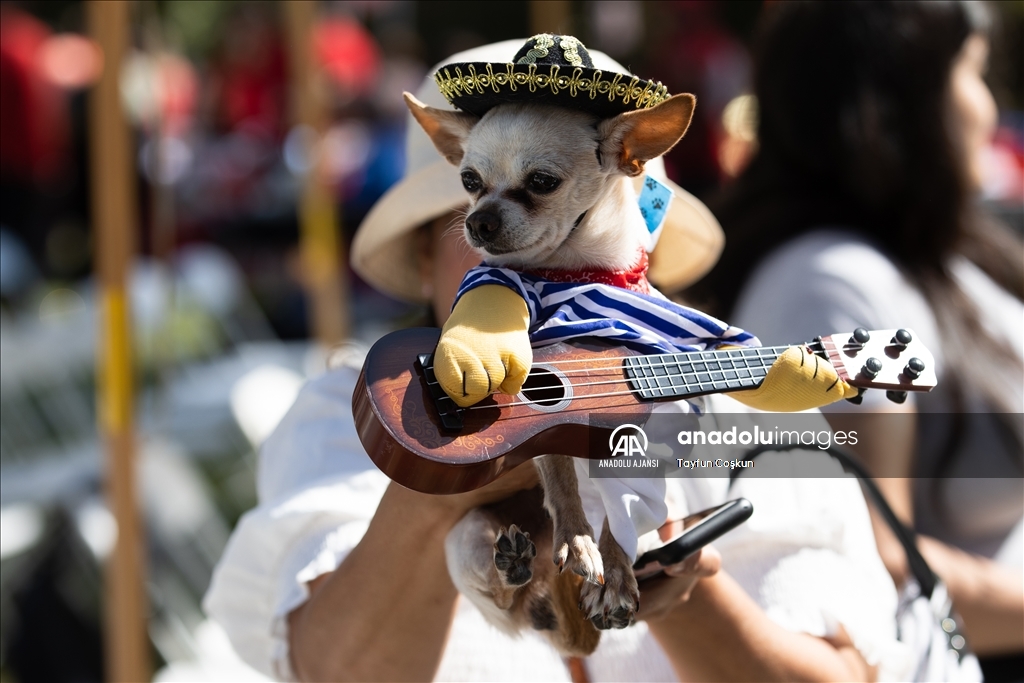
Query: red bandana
{"points": [[634, 279]]}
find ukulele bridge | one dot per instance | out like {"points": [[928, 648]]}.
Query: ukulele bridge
{"points": [[451, 416]]}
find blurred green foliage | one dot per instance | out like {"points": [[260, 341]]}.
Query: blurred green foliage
{"points": [[194, 25]]}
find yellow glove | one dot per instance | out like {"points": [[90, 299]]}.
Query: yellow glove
{"points": [[797, 380], [485, 345]]}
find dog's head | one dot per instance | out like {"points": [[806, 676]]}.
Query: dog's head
{"points": [[534, 171]]}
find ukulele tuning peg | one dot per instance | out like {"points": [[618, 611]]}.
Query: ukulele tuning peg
{"points": [[902, 337], [915, 366], [896, 396], [858, 399], [872, 366], [860, 336]]}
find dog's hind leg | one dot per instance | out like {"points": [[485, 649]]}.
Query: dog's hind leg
{"points": [[573, 545], [475, 547]]}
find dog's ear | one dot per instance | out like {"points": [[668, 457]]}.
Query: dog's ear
{"points": [[447, 129], [632, 139]]}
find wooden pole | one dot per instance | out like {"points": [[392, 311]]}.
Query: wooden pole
{"points": [[551, 16], [321, 248], [114, 221]]}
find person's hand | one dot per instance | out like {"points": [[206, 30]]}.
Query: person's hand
{"points": [[378, 588], [661, 594], [521, 478]]}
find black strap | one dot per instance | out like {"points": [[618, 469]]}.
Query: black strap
{"points": [[926, 578]]}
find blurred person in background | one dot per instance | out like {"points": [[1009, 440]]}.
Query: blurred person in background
{"points": [[34, 135], [859, 210], [41, 187], [341, 574], [247, 75], [695, 47]]}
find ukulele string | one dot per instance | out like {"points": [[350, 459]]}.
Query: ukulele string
{"points": [[657, 361], [779, 349], [664, 364], [599, 395], [652, 366], [815, 346], [580, 385], [679, 375], [550, 400]]}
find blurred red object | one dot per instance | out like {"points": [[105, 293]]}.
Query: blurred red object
{"points": [[248, 74], [1004, 162], [34, 126], [179, 89], [347, 53]]}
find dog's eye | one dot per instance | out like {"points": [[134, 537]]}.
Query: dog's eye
{"points": [[542, 183], [471, 181]]}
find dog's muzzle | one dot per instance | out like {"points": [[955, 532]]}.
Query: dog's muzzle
{"points": [[483, 226]]}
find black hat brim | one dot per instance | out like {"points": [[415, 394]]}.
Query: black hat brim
{"points": [[477, 87]]}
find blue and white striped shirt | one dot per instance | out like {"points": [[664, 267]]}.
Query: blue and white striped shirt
{"points": [[647, 323]]}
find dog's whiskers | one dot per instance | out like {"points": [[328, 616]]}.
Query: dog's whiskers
{"points": [[457, 225]]}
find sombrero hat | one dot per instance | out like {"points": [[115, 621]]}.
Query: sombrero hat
{"points": [[549, 69], [384, 251]]}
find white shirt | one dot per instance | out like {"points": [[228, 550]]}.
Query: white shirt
{"points": [[807, 556], [833, 280]]}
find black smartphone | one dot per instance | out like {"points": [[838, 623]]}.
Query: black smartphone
{"points": [[698, 530]]}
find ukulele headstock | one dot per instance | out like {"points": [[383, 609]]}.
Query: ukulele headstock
{"points": [[893, 360]]}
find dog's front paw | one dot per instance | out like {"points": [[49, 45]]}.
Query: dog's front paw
{"points": [[613, 605], [578, 553], [513, 556]]}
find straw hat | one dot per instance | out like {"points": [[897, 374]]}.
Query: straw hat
{"points": [[384, 251]]}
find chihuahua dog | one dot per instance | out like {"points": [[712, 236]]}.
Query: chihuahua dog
{"points": [[550, 188]]}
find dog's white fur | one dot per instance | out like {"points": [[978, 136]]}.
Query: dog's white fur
{"points": [[590, 220]]}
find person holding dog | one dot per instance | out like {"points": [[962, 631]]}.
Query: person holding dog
{"points": [[339, 574]]}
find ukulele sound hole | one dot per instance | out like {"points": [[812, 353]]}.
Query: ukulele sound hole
{"points": [[546, 389]]}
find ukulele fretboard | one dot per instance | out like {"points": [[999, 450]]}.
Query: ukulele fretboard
{"points": [[676, 375]]}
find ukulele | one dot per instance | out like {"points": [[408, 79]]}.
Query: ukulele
{"points": [[421, 439]]}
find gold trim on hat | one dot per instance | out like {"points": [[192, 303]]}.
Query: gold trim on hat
{"points": [[542, 41], [500, 78], [569, 47]]}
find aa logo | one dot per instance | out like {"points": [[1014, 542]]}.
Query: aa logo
{"points": [[628, 441]]}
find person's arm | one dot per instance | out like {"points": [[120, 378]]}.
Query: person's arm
{"points": [[988, 598], [720, 633], [710, 629], [885, 444], [385, 612]]}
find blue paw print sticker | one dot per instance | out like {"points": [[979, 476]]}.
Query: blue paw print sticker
{"points": [[654, 202]]}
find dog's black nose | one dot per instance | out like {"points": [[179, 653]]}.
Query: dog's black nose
{"points": [[483, 225]]}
